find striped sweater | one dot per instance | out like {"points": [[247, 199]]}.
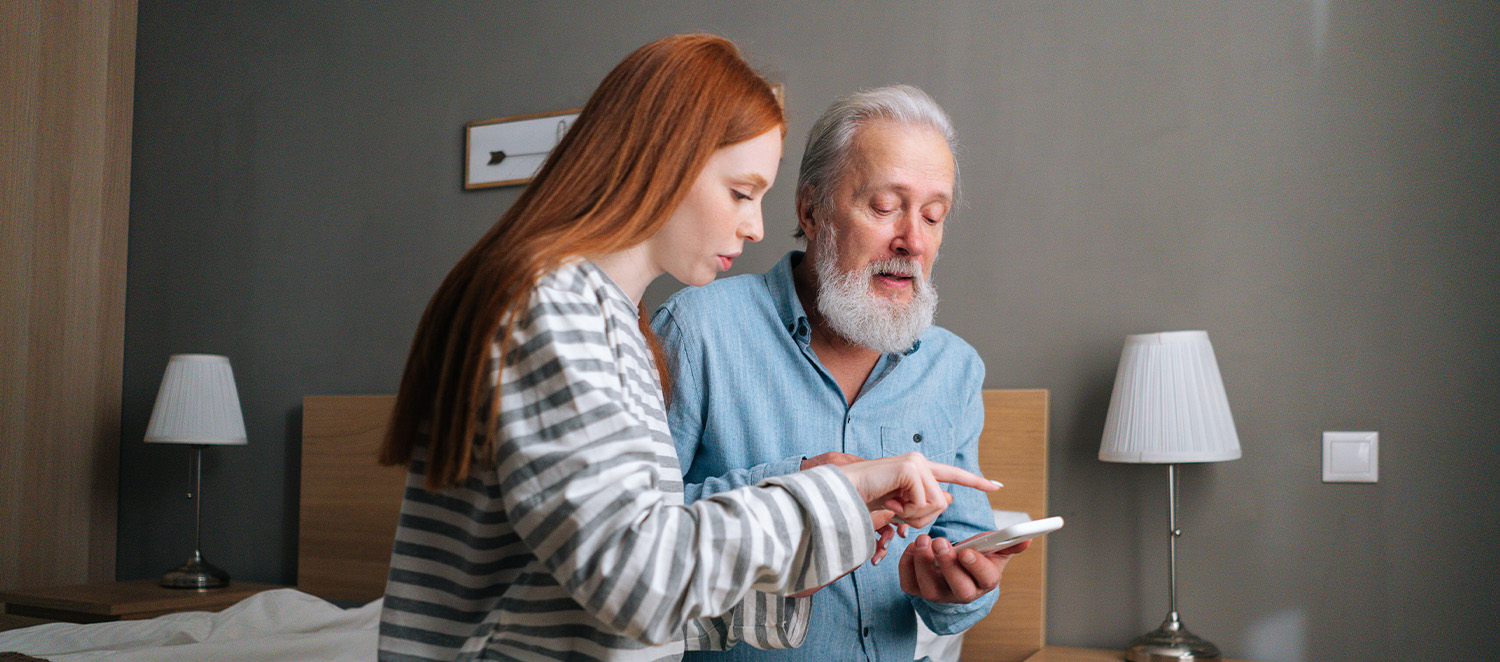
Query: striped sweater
{"points": [[574, 543]]}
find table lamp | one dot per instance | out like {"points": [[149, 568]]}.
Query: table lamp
{"points": [[1169, 407], [197, 405]]}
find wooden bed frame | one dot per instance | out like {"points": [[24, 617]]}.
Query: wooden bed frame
{"points": [[350, 504]]}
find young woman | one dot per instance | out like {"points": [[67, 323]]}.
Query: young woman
{"points": [[543, 515]]}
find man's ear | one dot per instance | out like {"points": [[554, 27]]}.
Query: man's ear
{"points": [[806, 219]]}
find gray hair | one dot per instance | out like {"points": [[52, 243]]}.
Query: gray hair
{"points": [[827, 153]]}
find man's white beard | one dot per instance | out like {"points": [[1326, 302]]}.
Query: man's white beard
{"points": [[863, 318]]}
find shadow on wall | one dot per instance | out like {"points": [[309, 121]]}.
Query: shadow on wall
{"points": [[291, 524]]}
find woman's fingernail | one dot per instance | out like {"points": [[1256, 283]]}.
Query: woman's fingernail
{"points": [[997, 483]]}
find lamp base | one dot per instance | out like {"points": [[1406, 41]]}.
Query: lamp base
{"points": [[195, 573], [1171, 643]]}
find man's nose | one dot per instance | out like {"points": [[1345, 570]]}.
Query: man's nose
{"points": [[909, 238]]}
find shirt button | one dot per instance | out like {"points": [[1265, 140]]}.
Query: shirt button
{"points": [[917, 437], [867, 632]]}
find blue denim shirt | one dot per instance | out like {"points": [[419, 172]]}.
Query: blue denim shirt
{"points": [[750, 399]]}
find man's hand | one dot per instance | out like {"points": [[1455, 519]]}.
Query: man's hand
{"points": [[931, 569], [834, 458]]}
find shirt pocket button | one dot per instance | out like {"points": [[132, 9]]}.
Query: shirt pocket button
{"points": [[933, 441]]}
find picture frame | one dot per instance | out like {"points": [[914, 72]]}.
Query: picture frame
{"points": [[509, 150]]}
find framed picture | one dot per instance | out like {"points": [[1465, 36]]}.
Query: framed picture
{"points": [[509, 150]]}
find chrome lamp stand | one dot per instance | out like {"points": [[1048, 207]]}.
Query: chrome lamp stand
{"points": [[1171, 641], [195, 572]]}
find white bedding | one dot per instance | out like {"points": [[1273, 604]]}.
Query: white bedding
{"points": [[283, 625]]}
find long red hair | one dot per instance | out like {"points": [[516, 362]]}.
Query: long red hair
{"points": [[609, 184]]}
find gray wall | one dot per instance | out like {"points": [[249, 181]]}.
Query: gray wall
{"points": [[1311, 182]]}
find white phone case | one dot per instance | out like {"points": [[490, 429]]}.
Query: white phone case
{"points": [[995, 541]]}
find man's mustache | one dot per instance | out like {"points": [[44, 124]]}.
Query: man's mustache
{"points": [[896, 266]]}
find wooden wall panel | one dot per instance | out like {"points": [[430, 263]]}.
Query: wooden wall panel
{"points": [[67, 79]]}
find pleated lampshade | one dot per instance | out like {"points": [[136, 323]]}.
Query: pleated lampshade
{"points": [[197, 403], [1168, 404]]}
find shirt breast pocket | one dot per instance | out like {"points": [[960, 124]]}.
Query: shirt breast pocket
{"points": [[932, 443]]}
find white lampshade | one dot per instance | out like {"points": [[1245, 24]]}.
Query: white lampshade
{"points": [[197, 403], [1168, 404]]}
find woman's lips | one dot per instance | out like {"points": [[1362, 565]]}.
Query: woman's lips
{"points": [[726, 261]]}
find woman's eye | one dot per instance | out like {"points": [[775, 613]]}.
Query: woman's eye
{"points": [[739, 195]]}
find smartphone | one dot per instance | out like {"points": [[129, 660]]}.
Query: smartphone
{"points": [[995, 541]]}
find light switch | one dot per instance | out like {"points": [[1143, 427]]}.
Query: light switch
{"points": [[1351, 457]]}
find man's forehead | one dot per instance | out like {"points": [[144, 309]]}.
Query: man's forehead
{"points": [[905, 159]]}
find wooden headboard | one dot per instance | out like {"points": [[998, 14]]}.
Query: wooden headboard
{"points": [[1013, 450], [350, 504]]}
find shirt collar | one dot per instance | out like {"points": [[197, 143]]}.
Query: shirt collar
{"points": [[587, 266], [783, 287]]}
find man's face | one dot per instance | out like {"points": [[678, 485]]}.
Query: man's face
{"points": [[873, 245], [891, 203]]}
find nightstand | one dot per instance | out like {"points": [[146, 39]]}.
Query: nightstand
{"points": [[114, 601], [1069, 654]]}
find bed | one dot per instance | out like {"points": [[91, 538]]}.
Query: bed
{"points": [[348, 510]]}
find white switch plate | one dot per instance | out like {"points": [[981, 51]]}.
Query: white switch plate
{"points": [[1351, 457]]}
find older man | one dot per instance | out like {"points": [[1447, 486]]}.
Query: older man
{"points": [[832, 356]]}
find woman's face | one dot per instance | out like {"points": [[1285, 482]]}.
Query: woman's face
{"points": [[720, 213]]}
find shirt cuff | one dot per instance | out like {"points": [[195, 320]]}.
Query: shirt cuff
{"points": [[950, 618], [783, 467]]}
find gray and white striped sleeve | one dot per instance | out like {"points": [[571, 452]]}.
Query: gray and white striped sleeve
{"points": [[762, 620], [581, 476]]}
